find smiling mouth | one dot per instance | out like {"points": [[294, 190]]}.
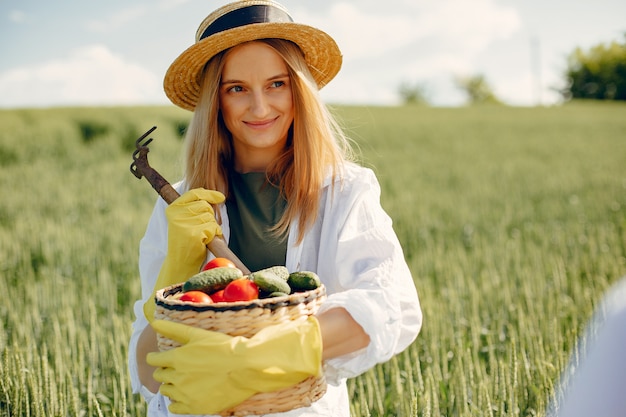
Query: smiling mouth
{"points": [[261, 124]]}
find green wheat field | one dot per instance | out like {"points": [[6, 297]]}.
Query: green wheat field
{"points": [[513, 222]]}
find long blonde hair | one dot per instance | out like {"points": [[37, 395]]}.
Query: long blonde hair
{"points": [[316, 148]]}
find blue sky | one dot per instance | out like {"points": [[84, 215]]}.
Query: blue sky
{"points": [[70, 52]]}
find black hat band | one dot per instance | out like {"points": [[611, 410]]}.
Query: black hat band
{"points": [[246, 16]]}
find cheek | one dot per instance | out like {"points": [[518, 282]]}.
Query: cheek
{"points": [[286, 106], [228, 111]]}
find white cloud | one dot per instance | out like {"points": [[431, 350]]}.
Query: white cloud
{"points": [[473, 25], [363, 35], [116, 20], [130, 15], [419, 40], [465, 26], [17, 16], [91, 75]]}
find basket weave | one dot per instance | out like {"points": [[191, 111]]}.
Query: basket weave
{"points": [[246, 318]]}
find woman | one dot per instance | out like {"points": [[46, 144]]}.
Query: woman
{"points": [[263, 152]]}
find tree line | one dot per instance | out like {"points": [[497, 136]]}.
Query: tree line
{"points": [[598, 73]]}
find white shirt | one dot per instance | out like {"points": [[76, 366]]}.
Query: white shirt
{"points": [[597, 386], [355, 251]]}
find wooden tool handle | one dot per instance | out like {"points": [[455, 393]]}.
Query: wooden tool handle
{"points": [[168, 193], [220, 249]]}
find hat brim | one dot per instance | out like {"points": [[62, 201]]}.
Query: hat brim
{"points": [[323, 57]]}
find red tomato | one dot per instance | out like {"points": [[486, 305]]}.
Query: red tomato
{"points": [[218, 296], [241, 290], [218, 262], [196, 297]]}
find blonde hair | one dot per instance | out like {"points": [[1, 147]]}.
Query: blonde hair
{"points": [[316, 148]]}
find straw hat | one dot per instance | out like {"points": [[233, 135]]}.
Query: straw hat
{"points": [[243, 21]]}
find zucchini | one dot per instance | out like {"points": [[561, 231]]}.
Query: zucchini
{"points": [[212, 280]]}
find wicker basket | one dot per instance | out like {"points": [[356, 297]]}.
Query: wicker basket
{"points": [[246, 318]]}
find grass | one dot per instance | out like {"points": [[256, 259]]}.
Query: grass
{"points": [[512, 219]]}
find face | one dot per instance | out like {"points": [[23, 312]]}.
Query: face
{"points": [[256, 103]]}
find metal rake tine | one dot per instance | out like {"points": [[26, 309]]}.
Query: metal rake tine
{"points": [[142, 147], [138, 142], [146, 143], [141, 153]]}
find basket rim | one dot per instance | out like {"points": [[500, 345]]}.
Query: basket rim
{"points": [[268, 303]]}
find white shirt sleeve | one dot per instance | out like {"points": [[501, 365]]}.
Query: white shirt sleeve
{"points": [[362, 264], [152, 251]]}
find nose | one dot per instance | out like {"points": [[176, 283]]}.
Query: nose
{"points": [[259, 105]]}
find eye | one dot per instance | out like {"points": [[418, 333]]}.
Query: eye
{"points": [[236, 89], [277, 84]]}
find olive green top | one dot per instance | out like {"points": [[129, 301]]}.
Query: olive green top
{"points": [[253, 207]]}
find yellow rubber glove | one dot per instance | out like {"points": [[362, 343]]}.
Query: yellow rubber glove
{"points": [[212, 371], [191, 226]]}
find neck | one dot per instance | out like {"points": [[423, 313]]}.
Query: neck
{"points": [[252, 161]]}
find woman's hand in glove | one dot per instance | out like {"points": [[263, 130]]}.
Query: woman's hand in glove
{"points": [[212, 371], [191, 227]]}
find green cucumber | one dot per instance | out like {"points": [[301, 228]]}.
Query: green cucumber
{"points": [[272, 279], [276, 294], [278, 271], [303, 281], [212, 280]]}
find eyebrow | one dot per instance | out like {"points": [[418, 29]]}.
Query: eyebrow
{"points": [[275, 77]]}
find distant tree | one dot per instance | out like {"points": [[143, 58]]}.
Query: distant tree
{"points": [[599, 73], [477, 89], [413, 93]]}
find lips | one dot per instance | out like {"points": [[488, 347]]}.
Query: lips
{"points": [[261, 123]]}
